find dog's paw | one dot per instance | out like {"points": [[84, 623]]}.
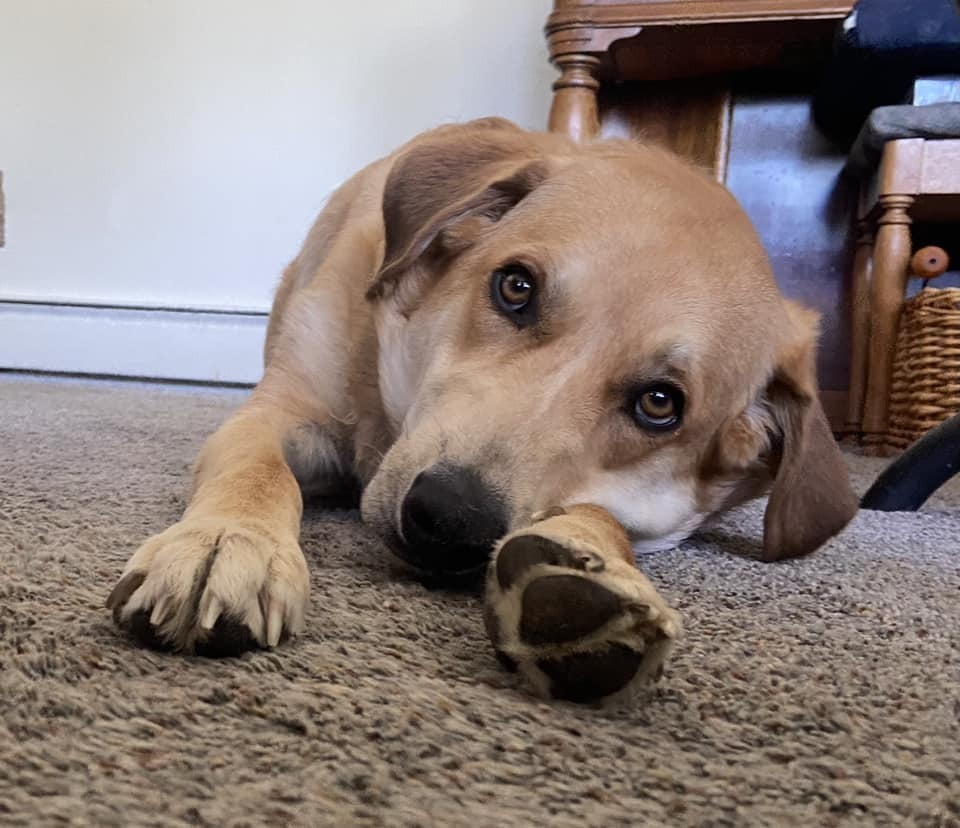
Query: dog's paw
{"points": [[567, 607], [213, 587]]}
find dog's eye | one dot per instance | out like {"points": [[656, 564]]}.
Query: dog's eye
{"points": [[658, 407], [513, 288]]}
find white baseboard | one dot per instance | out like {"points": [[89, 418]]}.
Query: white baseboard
{"points": [[132, 342]]}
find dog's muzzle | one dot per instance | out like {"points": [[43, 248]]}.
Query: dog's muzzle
{"points": [[450, 520]]}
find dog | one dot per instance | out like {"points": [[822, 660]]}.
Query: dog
{"points": [[483, 328]]}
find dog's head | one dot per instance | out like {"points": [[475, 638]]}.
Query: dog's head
{"points": [[597, 323]]}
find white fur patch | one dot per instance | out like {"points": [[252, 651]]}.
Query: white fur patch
{"points": [[313, 458], [647, 546], [399, 370], [657, 510]]}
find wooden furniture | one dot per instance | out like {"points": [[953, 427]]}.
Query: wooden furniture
{"points": [[925, 381], [727, 84], [929, 263], [605, 41], [918, 180]]}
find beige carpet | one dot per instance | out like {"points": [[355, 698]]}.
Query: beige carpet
{"points": [[818, 692]]}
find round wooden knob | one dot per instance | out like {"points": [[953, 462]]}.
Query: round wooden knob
{"points": [[930, 262]]}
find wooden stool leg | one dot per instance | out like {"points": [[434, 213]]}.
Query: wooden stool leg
{"points": [[574, 107], [860, 323], [891, 262]]}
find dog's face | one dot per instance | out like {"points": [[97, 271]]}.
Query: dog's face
{"points": [[599, 325]]}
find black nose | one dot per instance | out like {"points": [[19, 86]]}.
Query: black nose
{"points": [[450, 520]]}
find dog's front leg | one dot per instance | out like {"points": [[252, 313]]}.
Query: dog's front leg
{"points": [[566, 604], [230, 574]]}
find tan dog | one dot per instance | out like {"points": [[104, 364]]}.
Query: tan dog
{"points": [[484, 324]]}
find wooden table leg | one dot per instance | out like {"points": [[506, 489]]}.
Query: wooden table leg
{"points": [[574, 108], [860, 323], [891, 262]]}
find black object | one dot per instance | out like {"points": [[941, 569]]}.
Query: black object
{"points": [[879, 53], [444, 505], [923, 468]]}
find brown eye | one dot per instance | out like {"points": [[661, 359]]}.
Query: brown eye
{"points": [[658, 407], [516, 289], [513, 289]]}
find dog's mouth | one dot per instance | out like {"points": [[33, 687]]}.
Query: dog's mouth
{"points": [[430, 568]]}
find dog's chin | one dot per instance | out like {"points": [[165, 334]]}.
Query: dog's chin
{"points": [[430, 576]]}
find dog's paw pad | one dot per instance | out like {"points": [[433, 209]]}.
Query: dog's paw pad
{"points": [[520, 553], [559, 608], [577, 625], [137, 625], [228, 638], [583, 677]]}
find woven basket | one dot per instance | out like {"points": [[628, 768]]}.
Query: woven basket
{"points": [[926, 368]]}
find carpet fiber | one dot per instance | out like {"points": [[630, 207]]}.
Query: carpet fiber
{"points": [[817, 692]]}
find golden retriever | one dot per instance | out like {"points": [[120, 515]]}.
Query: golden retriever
{"points": [[486, 324]]}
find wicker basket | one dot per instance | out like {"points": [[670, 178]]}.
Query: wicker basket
{"points": [[926, 370]]}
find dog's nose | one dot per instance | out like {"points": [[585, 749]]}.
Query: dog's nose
{"points": [[450, 520]]}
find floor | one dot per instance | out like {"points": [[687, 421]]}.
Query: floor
{"points": [[823, 691]]}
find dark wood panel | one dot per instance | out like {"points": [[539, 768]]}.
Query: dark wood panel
{"points": [[668, 52], [642, 40], [690, 117], [680, 12]]}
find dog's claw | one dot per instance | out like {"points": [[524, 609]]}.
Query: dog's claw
{"points": [[591, 562], [159, 614], [274, 625], [211, 613], [121, 593]]}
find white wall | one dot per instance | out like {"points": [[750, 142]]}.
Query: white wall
{"points": [[173, 153]]}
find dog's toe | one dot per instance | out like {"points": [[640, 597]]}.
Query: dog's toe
{"points": [[226, 639], [521, 552], [212, 589]]}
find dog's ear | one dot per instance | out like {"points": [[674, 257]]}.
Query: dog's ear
{"points": [[449, 187], [811, 499]]}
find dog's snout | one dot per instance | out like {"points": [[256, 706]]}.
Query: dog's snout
{"points": [[450, 520]]}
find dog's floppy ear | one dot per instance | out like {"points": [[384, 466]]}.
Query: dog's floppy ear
{"points": [[811, 499], [447, 188]]}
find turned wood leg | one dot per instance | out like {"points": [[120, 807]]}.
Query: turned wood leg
{"points": [[860, 326], [574, 108], [891, 263]]}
